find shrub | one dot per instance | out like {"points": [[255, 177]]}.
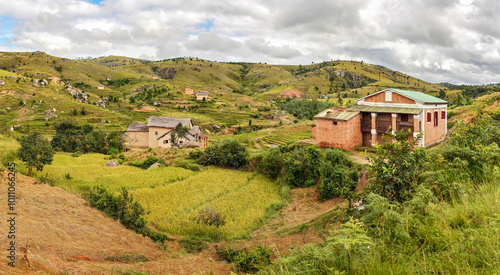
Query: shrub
{"points": [[228, 153], [302, 166], [46, 180], [195, 154], [150, 160], [248, 260], [341, 182], [192, 246], [124, 209], [211, 217], [272, 164], [187, 165], [137, 163], [113, 151], [396, 166]]}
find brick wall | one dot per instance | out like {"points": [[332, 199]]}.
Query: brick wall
{"points": [[344, 135], [396, 98]]}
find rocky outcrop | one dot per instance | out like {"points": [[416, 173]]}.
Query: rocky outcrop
{"points": [[155, 165], [77, 94], [50, 114], [112, 163], [167, 73]]}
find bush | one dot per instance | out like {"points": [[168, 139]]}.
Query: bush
{"points": [[187, 165], [150, 160], [195, 154], [396, 166], [228, 153], [272, 164], [113, 151], [124, 209], [341, 182], [192, 246], [248, 260], [302, 166]]}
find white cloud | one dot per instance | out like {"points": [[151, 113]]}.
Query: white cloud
{"points": [[455, 41]]}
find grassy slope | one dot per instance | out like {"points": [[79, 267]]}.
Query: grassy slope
{"points": [[256, 84]]}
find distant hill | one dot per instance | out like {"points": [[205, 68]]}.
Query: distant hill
{"points": [[237, 90]]}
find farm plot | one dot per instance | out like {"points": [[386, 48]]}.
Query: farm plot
{"points": [[284, 139], [89, 170], [237, 195], [172, 196]]}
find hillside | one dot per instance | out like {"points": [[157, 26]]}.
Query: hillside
{"points": [[238, 91], [64, 235]]}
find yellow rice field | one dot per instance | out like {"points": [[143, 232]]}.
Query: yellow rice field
{"points": [[172, 195]]}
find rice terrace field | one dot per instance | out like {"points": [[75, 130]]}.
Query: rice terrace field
{"points": [[173, 195]]}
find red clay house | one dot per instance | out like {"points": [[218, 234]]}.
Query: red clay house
{"points": [[365, 123]]}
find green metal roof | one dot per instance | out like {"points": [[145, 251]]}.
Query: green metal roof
{"points": [[425, 98], [337, 114], [392, 110]]}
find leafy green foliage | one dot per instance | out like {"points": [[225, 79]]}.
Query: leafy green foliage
{"points": [[248, 260], [35, 151], [124, 209], [304, 108], [71, 137], [228, 153], [341, 181], [302, 166], [192, 246], [345, 250], [339, 177], [396, 166]]}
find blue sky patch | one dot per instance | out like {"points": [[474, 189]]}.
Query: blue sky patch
{"points": [[97, 2], [6, 25], [207, 25]]}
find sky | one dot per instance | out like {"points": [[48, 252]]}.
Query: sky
{"points": [[456, 41]]}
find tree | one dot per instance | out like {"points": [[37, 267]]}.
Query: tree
{"points": [[177, 133], [442, 94], [396, 166], [35, 151], [211, 217]]}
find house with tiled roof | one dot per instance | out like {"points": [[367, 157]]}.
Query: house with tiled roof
{"points": [[202, 95], [156, 133], [375, 114]]}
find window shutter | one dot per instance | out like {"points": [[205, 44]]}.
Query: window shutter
{"points": [[443, 115], [429, 117]]}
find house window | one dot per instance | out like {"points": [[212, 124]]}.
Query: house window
{"points": [[335, 123], [165, 142], [404, 117], [429, 117], [388, 96], [180, 141], [443, 115], [435, 119], [156, 133]]}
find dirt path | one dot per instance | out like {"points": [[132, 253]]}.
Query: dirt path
{"points": [[359, 157]]}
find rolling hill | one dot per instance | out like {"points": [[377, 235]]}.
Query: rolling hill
{"points": [[131, 86]]}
